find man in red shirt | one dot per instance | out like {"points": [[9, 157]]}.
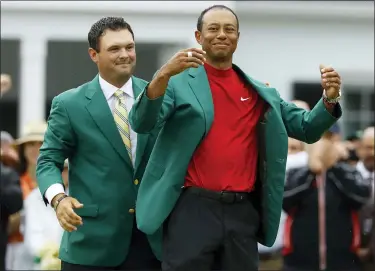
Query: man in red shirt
{"points": [[215, 177]]}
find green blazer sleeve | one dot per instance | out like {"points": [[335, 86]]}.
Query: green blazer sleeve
{"points": [[58, 144], [308, 126], [149, 113]]}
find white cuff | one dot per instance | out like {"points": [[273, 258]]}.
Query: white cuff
{"points": [[53, 190]]}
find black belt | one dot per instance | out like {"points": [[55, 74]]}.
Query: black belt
{"points": [[223, 196]]}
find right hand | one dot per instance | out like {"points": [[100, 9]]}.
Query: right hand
{"points": [[68, 219], [181, 61]]}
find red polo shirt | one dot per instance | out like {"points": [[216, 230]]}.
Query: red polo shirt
{"points": [[226, 160]]}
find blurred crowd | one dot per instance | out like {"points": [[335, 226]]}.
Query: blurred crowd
{"points": [[30, 232], [326, 224], [328, 208]]}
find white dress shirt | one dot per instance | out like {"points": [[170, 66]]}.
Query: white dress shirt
{"points": [[109, 91]]}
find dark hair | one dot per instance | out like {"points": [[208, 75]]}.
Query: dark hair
{"points": [[98, 28], [200, 18]]}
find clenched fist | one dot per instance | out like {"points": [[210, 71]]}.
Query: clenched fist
{"points": [[331, 81], [184, 59]]}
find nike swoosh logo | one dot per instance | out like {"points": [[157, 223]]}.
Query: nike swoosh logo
{"points": [[244, 99]]}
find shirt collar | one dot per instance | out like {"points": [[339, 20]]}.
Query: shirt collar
{"points": [[109, 89]]}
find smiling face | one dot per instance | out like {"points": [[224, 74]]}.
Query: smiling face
{"points": [[219, 35], [116, 57]]}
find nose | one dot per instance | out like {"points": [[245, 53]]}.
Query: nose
{"points": [[221, 35], [123, 53]]}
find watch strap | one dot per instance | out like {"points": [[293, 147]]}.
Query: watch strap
{"points": [[59, 200], [331, 101]]}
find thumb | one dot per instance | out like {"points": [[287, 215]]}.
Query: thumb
{"points": [[76, 203]]}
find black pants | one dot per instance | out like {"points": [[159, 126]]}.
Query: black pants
{"points": [[207, 234], [140, 257]]}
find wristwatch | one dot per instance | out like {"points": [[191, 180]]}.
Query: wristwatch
{"points": [[331, 101], [59, 200]]}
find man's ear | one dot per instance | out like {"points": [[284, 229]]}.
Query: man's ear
{"points": [[93, 55], [198, 36]]}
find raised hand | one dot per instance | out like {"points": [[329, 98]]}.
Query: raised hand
{"points": [[331, 81], [184, 59]]}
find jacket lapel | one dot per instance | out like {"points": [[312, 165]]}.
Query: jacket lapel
{"points": [[100, 112], [198, 82], [261, 88], [141, 138]]}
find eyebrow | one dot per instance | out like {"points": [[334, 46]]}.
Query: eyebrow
{"points": [[217, 23], [119, 45]]}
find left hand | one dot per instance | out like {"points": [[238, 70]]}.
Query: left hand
{"points": [[331, 81]]}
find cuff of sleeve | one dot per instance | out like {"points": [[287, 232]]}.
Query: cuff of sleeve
{"points": [[144, 94], [336, 111], [54, 190]]}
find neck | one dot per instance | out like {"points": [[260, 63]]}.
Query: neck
{"points": [[222, 64], [118, 81]]}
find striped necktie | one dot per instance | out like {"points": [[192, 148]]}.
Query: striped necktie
{"points": [[120, 115]]}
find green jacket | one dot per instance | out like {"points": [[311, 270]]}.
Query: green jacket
{"points": [[101, 176], [187, 112]]}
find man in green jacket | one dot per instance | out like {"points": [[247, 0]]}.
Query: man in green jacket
{"points": [[215, 178], [89, 126]]}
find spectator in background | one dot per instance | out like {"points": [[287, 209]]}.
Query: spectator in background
{"points": [[322, 229], [353, 141], [28, 151], [42, 227], [10, 203], [10, 190], [366, 168], [10, 155]]}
